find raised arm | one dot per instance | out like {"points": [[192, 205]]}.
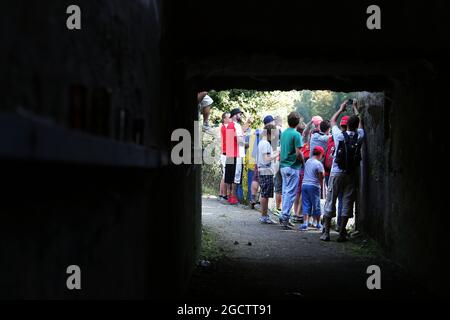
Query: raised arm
{"points": [[357, 113], [307, 132], [335, 116]]}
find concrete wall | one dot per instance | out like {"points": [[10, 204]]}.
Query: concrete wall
{"points": [[404, 188], [309, 45], [81, 186]]}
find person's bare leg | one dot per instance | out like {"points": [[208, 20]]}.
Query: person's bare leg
{"points": [[297, 200], [316, 221], [296, 203], [305, 220], [301, 205], [206, 112], [222, 190], [264, 206], [228, 189], [278, 201], [233, 190], [254, 190]]}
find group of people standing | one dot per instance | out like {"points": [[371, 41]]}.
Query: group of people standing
{"points": [[295, 163]]}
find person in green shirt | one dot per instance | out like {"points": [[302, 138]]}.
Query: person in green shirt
{"points": [[291, 160]]}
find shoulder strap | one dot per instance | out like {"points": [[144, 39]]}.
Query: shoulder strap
{"points": [[346, 137]]}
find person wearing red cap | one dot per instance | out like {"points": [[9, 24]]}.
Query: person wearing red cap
{"points": [[311, 187], [343, 176], [335, 131]]}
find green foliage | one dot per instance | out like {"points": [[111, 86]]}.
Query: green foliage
{"points": [[254, 104], [210, 249], [321, 102], [257, 104]]}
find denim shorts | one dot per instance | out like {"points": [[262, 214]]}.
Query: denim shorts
{"points": [[311, 200]]}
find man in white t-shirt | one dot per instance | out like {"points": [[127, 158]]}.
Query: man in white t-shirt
{"points": [[343, 180]]}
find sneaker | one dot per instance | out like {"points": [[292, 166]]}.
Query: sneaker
{"points": [[304, 227], [276, 212], [342, 239], [290, 224], [233, 200], [285, 225], [297, 219], [319, 226], [266, 220], [337, 226], [325, 237]]}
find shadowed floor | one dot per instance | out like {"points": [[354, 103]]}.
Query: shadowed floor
{"points": [[251, 260]]}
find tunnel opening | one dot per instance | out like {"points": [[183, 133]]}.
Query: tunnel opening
{"points": [[317, 105], [236, 243]]}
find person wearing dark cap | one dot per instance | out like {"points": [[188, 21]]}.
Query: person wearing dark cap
{"points": [[335, 131], [268, 120], [235, 145]]}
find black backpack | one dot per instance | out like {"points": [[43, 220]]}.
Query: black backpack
{"points": [[348, 153]]}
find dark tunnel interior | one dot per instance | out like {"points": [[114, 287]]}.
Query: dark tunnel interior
{"points": [[86, 119]]}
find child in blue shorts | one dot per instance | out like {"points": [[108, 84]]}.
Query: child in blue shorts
{"points": [[312, 182]]}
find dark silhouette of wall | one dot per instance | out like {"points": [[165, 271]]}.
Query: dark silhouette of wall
{"points": [[87, 118]]}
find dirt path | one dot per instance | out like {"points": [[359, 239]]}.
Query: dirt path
{"points": [[264, 261]]}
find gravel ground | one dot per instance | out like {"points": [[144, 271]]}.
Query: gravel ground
{"points": [[265, 261]]}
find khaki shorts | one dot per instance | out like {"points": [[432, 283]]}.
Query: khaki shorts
{"points": [[345, 183]]}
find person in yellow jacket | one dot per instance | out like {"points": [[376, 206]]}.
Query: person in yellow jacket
{"points": [[252, 140]]}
